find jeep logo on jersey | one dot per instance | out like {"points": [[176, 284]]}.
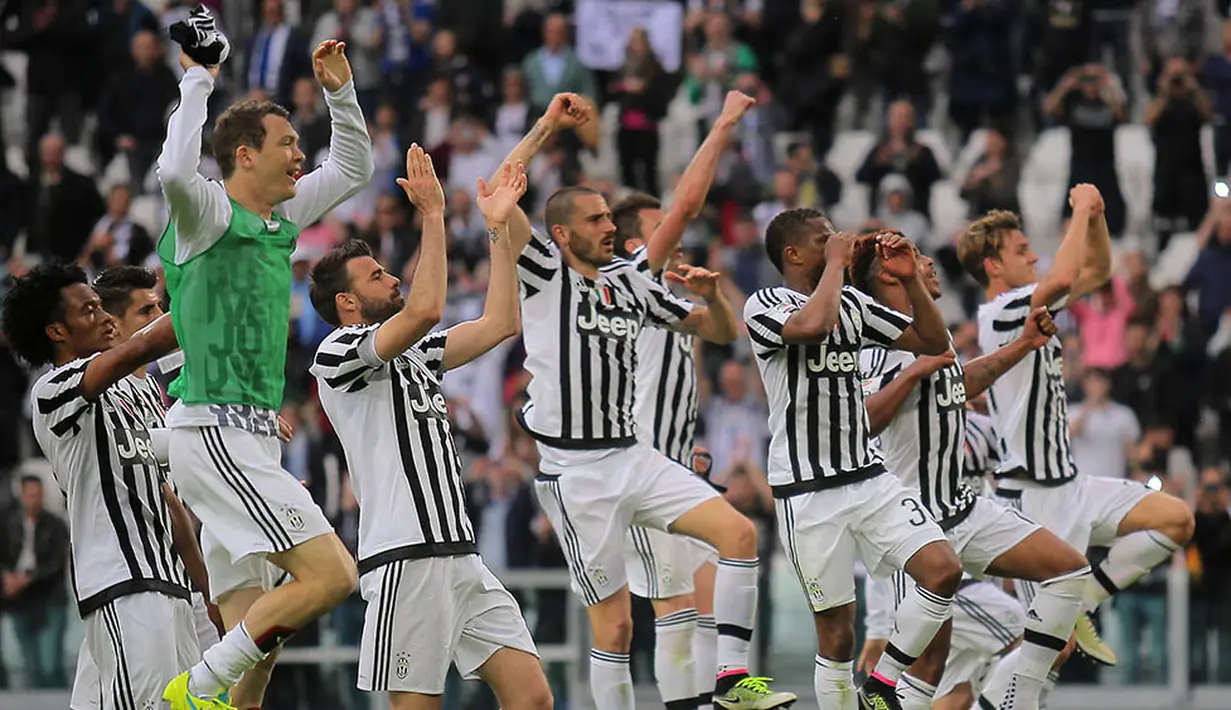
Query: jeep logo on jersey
{"points": [[1053, 363], [426, 399], [610, 323], [684, 342], [133, 446], [832, 360], [950, 392]]}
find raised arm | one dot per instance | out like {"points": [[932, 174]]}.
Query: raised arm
{"points": [[695, 183], [198, 208], [501, 311], [146, 345], [1057, 284], [426, 301], [349, 166], [983, 371], [1096, 266], [927, 334], [816, 319]]}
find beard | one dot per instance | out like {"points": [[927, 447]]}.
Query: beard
{"points": [[374, 311]]}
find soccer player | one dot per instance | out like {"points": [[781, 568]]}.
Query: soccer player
{"points": [[917, 406], [131, 587], [226, 252], [1028, 405], [675, 572], [835, 497]]}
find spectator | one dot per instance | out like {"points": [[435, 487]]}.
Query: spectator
{"points": [[472, 92], [428, 124], [1180, 360], [469, 155], [116, 238], [554, 67], [1103, 431], [993, 180], [910, 31], [1132, 383], [118, 22], [642, 89], [1158, 455], [1137, 277], [897, 211], [785, 197], [1211, 585], [467, 228], [1175, 118], [1216, 78], [34, 562], [357, 26], [735, 423], [866, 38], [65, 205], [815, 71], [403, 31], [1210, 276], [1091, 107], [818, 185], [390, 234], [900, 152], [513, 117], [132, 114], [1102, 320], [1065, 43], [1171, 28], [982, 85], [1111, 21], [711, 73], [309, 121], [744, 262], [279, 54]]}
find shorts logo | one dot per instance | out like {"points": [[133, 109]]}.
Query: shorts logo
{"points": [[665, 575], [813, 587], [293, 518], [148, 705], [599, 576], [402, 665]]}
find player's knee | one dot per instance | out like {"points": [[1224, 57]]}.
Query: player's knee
{"points": [[942, 571], [739, 539], [536, 699], [1070, 584], [615, 635], [835, 632], [339, 584], [1176, 521]]}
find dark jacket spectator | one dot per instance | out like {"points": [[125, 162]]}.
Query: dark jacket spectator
{"points": [[1210, 276], [279, 54], [983, 82], [65, 205], [132, 115], [815, 71], [993, 180], [900, 152], [643, 91]]}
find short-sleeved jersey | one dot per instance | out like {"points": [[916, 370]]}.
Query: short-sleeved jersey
{"points": [[394, 426], [819, 436], [1028, 403], [103, 461], [581, 340]]}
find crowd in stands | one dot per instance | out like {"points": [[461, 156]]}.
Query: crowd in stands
{"points": [[912, 114]]}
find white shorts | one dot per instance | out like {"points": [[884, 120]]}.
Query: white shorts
{"points": [[225, 576], [591, 506], [1085, 512], [424, 614], [661, 565], [134, 646], [203, 626], [879, 520], [234, 482], [986, 621], [990, 530]]}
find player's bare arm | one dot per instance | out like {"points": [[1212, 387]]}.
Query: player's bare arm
{"points": [[818, 317], [884, 404], [927, 333], [184, 536], [501, 311], [564, 112], [695, 183], [715, 321], [1096, 267], [981, 372], [111, 366], [426, 301], [1059, 281]]}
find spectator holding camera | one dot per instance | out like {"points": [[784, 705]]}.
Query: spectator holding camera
{"points": [[1091, 106], [1175, 117], [1211, 602]]}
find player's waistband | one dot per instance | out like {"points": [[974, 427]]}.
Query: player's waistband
{"points": [[128, 587], [418, 551], [957, 518], [824, 483], [576, 444], [1020, 476]]}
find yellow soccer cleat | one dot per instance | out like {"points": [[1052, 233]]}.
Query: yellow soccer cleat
{"points": [[754, 694], [1090, 643], [177, 694]]}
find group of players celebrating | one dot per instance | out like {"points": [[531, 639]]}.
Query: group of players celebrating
{"points": [[871, 454]]}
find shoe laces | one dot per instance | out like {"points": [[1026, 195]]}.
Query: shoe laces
{"points": [[758, 685]]}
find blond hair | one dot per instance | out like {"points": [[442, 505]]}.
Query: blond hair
{"points": [[983, 239]]}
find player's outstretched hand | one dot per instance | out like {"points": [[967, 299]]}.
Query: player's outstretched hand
{"points": [[568, 111], [330, 65], [498, 200], [898, 256], [928, 365], [697, 280], [421, 185], [285, 430], [1039, 327], [735, 105]]}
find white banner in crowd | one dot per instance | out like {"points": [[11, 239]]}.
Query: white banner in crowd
{"points": [[604, 26]]}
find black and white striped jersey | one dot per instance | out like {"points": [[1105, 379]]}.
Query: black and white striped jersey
{"points": [[581, 341], [103, 461], [817, 420], [982, 450], [148, 397], [393, 423], [666, 399], [1028, 404], [924, 442]]}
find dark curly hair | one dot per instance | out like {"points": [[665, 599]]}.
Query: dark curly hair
{"points": [[34, 302], [115, 286]]}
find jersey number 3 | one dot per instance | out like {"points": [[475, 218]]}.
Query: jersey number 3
{"points": [[918, 517]]}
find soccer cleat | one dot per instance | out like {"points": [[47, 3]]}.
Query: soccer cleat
{"points": [[753, 694], [1090, 644], [877, 695], [180, 699]]}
